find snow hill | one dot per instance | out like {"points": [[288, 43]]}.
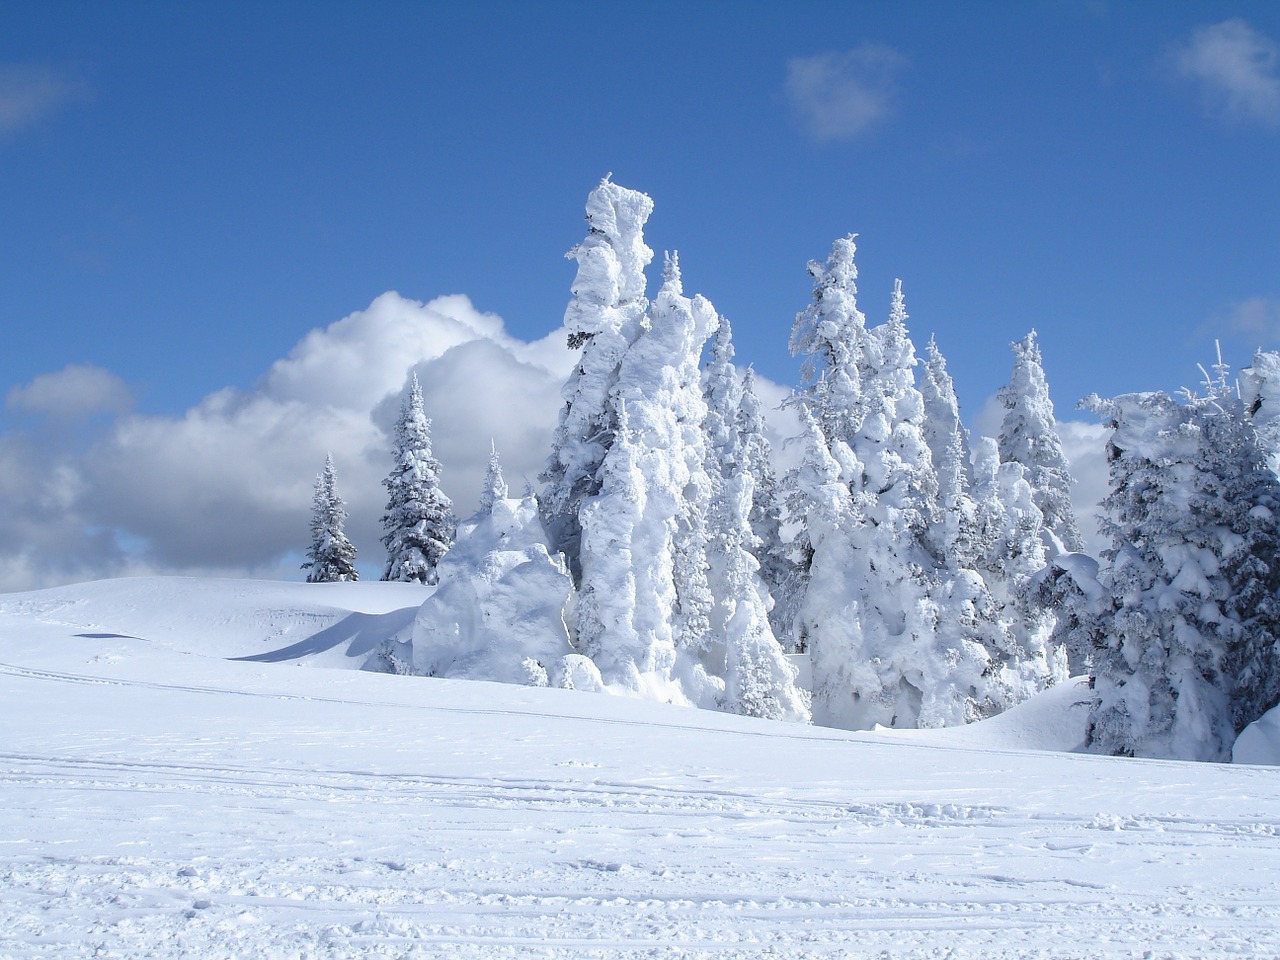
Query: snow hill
{"points": [[177, 782]]}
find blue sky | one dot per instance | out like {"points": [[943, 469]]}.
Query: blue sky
{"points": [[191, 189]]}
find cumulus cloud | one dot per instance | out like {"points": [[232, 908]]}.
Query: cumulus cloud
{"points": [[1236, 68], [30, 92], [75, 392], [838, 96]]}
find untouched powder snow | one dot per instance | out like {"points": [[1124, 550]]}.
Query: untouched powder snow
{"points": [[162, 800]]}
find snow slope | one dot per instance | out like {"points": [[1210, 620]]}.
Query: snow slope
{"points": [[158, 799]]}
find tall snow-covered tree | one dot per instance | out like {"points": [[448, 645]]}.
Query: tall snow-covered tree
{"points": [[771, 550], [331, 558], [644, 595], [419, 521], [1185, 649], [604, 318], [1029, 436], [758, 680], [948, 443]]}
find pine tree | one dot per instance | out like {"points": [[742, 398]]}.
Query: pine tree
{"points": [[1260, 393], [772, 552], [495, 487], [948, 443], [644, 594], [757, 679], [1029, 436], [1185, 649], [331, 558], [419, 521], [604, 318]]}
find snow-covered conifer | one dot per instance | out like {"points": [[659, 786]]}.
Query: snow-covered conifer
{"points": [[495, 487], [1186, 651], [419, 521], [831, 337], [772, 552], [1260, 393], [758, 680], [1029, 436], [331, 558], [644, 593], [604, 317], [948, 443]]}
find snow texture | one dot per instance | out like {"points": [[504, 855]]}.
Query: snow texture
{"points": [[158, 800]]}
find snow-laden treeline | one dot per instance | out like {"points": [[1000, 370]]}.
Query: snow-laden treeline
{"points": [[922, 577]]}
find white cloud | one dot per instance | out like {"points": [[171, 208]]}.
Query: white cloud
{"points": [[1236, 69], [72, 393], [1257, 316], [837, 96], [30, 92], [226, 486]]}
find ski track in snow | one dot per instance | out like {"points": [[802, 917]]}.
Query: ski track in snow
{"points": [[161, 803]]}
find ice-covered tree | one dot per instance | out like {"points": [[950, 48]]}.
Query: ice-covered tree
{"points": [[331, 558], [948, 443], [603, 319], [1185, 648], [419, 521], [1012, 559], [1260, 393], [758, 681], [831, 338], [499, 610], [771, 550], [1029, 436], [644, 594]]}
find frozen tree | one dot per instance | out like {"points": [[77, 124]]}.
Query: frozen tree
{"points": [[1185, 649], [1029, 436], [1260, 393], [1012, 559], [419, 521], [758, 680], [644, 595], [831, 337], [772, 552], [948, 443], [499, 610], [331, 558], [604, 318]]}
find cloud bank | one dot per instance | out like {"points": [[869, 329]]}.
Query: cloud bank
{"points": [[1236, 68], [838, 96]]}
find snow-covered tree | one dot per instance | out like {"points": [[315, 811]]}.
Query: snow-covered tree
{"points": [[1185, 647], [499, 610], [1260, 393], [772, 552], [1012, 559], [948, 443], [758, 680], [604, 318], [643, 589], [331, 558], [1029, 436], [419, 521]]}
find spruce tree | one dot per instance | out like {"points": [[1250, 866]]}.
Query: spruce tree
{"points": [[419, 521], [1029, 436], [604, 318], [772, 552], [1185, 647], [757, 679], [331, 558]]}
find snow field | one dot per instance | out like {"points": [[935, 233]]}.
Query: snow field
{"points": [[160, 800]]}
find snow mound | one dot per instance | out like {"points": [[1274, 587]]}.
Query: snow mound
{"points": [[319, 624], [1259, 742]]}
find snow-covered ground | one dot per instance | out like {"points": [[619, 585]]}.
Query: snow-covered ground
{"points": [[160, 799]]}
